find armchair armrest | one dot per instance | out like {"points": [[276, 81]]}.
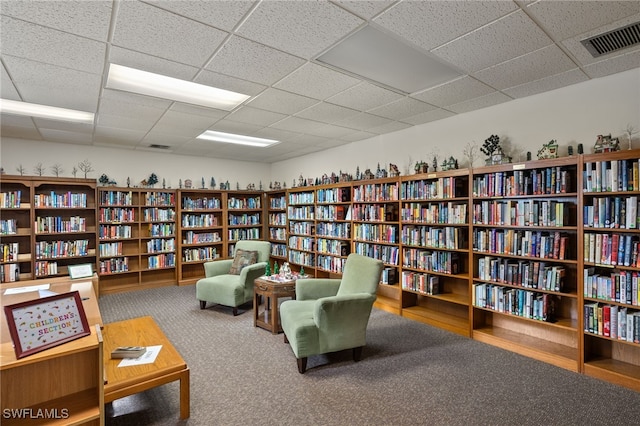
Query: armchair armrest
{"points": [[217, 267], [341, 314], [251, 272], [315, 288]]}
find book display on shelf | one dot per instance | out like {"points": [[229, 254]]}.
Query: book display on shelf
{"points": [[611, 266], [434, 214], [301, 228], [333, 228], [244, 217], [201, 220], [277, 224], [158, 236], [524, 254], [15, 229]]}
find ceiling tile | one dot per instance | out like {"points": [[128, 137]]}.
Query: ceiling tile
{"points": [[226, 82], [262, 117], [316, 81], [221, 14], [63, 136], [310, 26], [211, 113], [149, 63], [429, 24], [456, 91], [43, 123], [363, 121], [357, 136], [125, 122], [405, 107], [548, 83], [7, 89], [124, 104], [504, 39], [329, 131], [478, 103], [115, 136], [532, 66], [365, 9], [277, 134], [81, 17], [10, 131], [394, 126], [561, 19], [429, 116], [613, 65], [161, 138], [236, 127], [147, 29], [327, 113], [54, 47], [297, 124], [281, 101], [253, 61], [364, 96], [179, 123]]}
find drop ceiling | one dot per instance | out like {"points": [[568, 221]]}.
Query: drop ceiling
{"points": [[57, 53]]}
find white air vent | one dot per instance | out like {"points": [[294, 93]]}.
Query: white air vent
{"points": [[153, 145], [613, 40]]}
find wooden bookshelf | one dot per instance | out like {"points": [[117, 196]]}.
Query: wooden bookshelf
{"points": [[301, 228], [276, 204], [435, 252], [16, 229], [610, 195], [202, 227], [525, 265], [245, 217], [332, 228]]}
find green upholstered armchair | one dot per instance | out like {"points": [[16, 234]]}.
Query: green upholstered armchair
{"points": [[223, 288], [329, 315]]}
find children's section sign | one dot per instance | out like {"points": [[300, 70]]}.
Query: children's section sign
{"points": [[40, 324]]}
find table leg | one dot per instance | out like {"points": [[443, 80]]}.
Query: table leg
{"points": [[255, 309], [274, 316], [185, 396]]}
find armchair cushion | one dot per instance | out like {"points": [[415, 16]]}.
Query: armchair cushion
{"points": [[241, 259]]}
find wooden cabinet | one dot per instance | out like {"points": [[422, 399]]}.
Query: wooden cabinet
{"points": [[16, 229], [525, 265], [277, 224], [244, 217], [202, 229], [435, 249], [610, 326], [301, 229]]}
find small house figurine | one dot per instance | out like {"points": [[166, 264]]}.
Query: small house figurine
{"points": [[492, 148], [606, 144], [188, 183], [449, 164], [548, 150]]}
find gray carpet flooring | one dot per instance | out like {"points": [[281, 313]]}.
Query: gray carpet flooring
{"points": [[410, 374]]}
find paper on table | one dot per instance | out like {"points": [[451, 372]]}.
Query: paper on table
{"points": [[148, 357], [18, 290]]}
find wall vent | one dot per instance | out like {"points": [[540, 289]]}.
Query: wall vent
{"points": [[613, 41], [157, 146]]}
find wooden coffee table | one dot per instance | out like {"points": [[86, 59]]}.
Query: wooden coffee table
{"points": [[272, 291], [168, 366]]}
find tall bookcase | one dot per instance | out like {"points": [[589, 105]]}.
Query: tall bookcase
{"points": [[202, 231], [435, 249], [376, 233], [276, 204], [301, 228], [16, 229], [64, 225], [244, 217], [610, 328], [158, 237], [525, 265], [332, 228]]}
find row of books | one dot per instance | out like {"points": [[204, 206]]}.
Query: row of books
{"points": [[540, 244], [381, 233], [551, 180], [65, 200], [106, 232], [191, 237], [9, 252], [614, 286], [448, 187], [279, 250], [536, 275], [449, 237], [333, 247], [8, 226], [277, 219], [330, 263], [302, 243], [110, 249], [302, 228], [160, 245], [244, 203], [302, 258], [615, 322], [612, 249], [244, 234], [435, 261], [167, 260], [613, 212], [245, 219], [301, 198], [153, 198], [199, 254], [158, 215], [301, 213], [204, 220], [389, 275], [278, 202], [445, 213], [334, 195], [117, 214], [375, 212], [10, 200], [162, 229], [373, 192], [333, 212], [388, 254], [336, 230], [114, 265], [279, 234], [522, 213], [45, 268], [515, 301], [9, 272], [203, 203], [49, 224], [116, 198], [612, 176], [421, 283], [58, 249]]}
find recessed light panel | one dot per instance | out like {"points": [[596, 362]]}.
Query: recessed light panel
{"points": [[221, 137], [44, 111]]}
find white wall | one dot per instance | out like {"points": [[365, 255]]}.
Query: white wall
{"points": [[119, 164], [571, 115]]}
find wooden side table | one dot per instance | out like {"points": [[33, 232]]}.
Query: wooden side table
{"points": [[272, 291]]}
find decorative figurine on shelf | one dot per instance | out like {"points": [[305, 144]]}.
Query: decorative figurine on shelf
{"points": [[302, 270], [630, 131], [152, 180], [606, 144], [56, 169], [548, 150], [421, 167], [492, 148], [212, 183], [267, 270], [570, 150], [358, 176], [285, 271], [276, 270], [74, 171], [187, 183], [449, 164], [381, 173], [20, 169], [368, 174], [580, 149], [129, 182], [434, 163], [227, 185], [393, 170], [85, 167], [179, 183], [528, 155], [300, 180], [104, 179], [203, 182]]}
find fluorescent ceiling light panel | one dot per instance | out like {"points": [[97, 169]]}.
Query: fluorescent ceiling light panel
{"points": [[214, 136], [376, 56], [43, 111], [161, 86]]}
